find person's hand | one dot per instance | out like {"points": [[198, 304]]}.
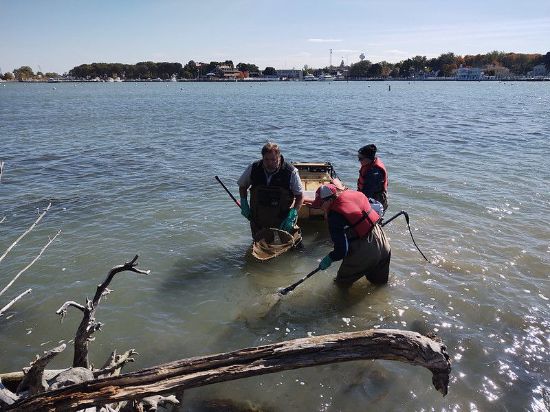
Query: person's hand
{"points": [[325, 263], [288, 224], [245, 208]]}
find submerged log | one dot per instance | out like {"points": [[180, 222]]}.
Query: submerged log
{"points": [[389, 344]]}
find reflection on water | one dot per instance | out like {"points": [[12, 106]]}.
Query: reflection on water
{"points": [[129, 168]]}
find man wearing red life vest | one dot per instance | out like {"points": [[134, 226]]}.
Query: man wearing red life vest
{"points": [[373, 177], [357, 236]]}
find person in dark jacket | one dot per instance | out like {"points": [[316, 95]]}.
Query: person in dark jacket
{"points": [[373, 176], [276, 192], [358, 238]]}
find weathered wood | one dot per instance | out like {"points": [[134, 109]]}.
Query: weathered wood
{"points": [[89, 325], [30, 264], [405, 346], [12, 302], [34, 378], [7, 397], [115, 363], [25, 233]]}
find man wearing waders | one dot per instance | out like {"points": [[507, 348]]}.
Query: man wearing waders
{"points": [[357, 236], [276, 193]]}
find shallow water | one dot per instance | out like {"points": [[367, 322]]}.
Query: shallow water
{"points": [[129, 169]]}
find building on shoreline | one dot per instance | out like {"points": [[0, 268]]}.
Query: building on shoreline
{"points": [[469, 73]]}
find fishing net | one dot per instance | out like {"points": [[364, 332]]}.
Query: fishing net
{"points": [[272, 242]]}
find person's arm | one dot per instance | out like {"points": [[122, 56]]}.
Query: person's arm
{"points": [[298, 202], [297, 189], [381, 175], [336, 224], [244, 182]]}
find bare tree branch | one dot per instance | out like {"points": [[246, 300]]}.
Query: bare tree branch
{"points": [[30, 264], [115, 363], [88, 326], [63, 309], [34, 378], [25, 233], [5, 308], [404, 346]]}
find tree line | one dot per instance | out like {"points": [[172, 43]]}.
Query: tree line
{"points": [[162, 70], [445, 65]]}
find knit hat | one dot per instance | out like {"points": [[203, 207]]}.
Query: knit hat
{"points": [[368, 151]]}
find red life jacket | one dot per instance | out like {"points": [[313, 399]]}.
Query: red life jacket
{"points": [[356, 209], [365, 169]]}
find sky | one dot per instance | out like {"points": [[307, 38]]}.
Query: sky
{"points": [[57, 35]]}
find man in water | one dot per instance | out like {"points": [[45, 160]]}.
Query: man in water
{"points": [[373, 177], [276, 192], [357, 236]]}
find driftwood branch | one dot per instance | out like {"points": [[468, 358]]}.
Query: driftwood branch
{"points": [[115, 363], [88, 326], [25, 233], [404, 346], [12, 302], [30, 264], [34, 377], [7, 397], [62, 311]]}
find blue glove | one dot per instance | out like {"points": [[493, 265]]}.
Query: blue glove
{"points": [[290, 221], [325, 263], [245, 208]]}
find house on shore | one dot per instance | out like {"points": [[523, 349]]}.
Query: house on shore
{"points": [[468, 73]]}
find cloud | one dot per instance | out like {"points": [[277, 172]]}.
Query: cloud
{"points": [[346, 51], [397, 52], [324, 40]]}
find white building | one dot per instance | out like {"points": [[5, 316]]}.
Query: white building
{"points": [[468, 73], [539, 70], [290, 74]]}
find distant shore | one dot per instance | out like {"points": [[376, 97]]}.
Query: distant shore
{"points": [[263, 80]]}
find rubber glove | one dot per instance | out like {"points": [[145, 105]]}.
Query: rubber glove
{"points": [[290, 221], [325, 263], [245, 208]]}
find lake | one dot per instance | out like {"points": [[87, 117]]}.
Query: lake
{"points": [[129, 169]]}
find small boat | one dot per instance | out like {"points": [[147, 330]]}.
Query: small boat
{"points": [[326, 77], [314, 175], [310, 78]]}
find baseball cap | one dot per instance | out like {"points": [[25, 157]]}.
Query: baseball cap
{"points": [[322, 193]]}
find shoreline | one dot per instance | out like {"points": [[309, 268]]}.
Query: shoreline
{"points": [[511, 79]]}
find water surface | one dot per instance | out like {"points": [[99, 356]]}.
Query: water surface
{"points": [[129, 169]]}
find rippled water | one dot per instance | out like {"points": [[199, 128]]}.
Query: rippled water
{"points": [[129, 169]]}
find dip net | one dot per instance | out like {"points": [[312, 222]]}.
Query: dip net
{"points": [[272, 242]]}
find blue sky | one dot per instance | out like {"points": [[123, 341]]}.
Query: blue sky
{"points": [[57, 35]]}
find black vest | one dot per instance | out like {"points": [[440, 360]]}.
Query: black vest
{"points": [[281, 178], [269, 204]]}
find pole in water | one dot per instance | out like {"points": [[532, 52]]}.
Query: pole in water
{"points": [[227, 190], [389, 87]]}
